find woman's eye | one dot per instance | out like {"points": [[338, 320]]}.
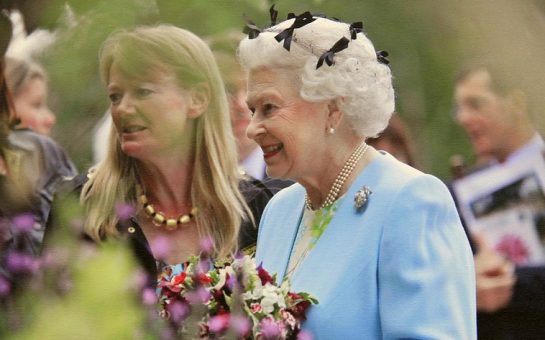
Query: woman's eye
{"points": [[252, 109], [143, 92], [114, 97], [268, 108]]}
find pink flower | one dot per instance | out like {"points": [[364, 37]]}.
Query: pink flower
{"points": [[200, 295], [256, 307], [5, 287], [218, 323], [24, 223], [513, 248], [288, 318], [124, 211], [177, 311], [270, 329], [241, 325], [304, 335], [149, 297], [160, 247], [207, 245], [18, 262]]}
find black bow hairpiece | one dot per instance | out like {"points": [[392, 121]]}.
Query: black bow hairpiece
{"points": [[274, 15], [382, 57], [327, 56], [355, 28], [251, 28], [287, 34]]}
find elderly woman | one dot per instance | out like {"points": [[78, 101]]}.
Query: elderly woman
{"points": [[171, 153], [378, 243]]}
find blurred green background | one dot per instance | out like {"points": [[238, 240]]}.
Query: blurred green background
{"points": [[428, 41]]}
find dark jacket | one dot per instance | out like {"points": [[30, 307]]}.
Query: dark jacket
{"points": [[524, 317], [37, 166]]}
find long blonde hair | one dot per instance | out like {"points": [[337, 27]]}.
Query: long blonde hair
{"points": [[214, 187]]}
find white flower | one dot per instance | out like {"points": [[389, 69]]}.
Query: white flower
{"points": [[271, 297]]}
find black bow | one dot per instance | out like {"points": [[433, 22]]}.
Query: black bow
{"points": [[355, 28], [251, 28], [274, 14], [340, 45], [287, 34], [382, 57]]}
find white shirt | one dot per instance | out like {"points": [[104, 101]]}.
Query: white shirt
{"points": [[254, 165]]}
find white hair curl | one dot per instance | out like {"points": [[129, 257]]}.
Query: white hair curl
{"points": [[357, 81]]}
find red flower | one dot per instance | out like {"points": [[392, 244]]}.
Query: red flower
{"points": [[179, 279], [264, 275], [204, 279]]}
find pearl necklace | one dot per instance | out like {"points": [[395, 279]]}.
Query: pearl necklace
{"points": [[341, 177], [158, 218]]}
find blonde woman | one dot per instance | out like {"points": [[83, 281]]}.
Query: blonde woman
{"points": [[171, 152]]}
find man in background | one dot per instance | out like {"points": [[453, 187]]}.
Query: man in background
{"points": [[493, 110]]}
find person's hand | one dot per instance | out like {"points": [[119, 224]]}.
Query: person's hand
{"points": [[494, 276]]}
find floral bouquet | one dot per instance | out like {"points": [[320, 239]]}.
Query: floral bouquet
{"points": [[237, 299]]}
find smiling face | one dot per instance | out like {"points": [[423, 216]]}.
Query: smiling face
{"points": [[31, 106], [484, 115], [150, 115], [290, 130]]}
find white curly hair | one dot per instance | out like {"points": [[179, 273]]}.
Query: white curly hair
{"points": [[360, 85]]}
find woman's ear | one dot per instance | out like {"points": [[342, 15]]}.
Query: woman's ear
{"points": [[334, 115], [199, 99]]}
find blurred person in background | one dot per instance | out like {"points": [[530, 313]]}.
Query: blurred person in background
{"points": [[171, 154], [396, 140], [27, 83], [377, 242], [249, 153], [31, 168], [493, 110]]}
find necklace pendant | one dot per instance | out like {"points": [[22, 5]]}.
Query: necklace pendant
{"points": [[361, 197]]}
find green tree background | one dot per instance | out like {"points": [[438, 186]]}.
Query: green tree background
{"points": [[428, 41]]}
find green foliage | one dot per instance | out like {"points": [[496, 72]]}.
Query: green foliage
{"points": [[102, 304], [428, 41]]}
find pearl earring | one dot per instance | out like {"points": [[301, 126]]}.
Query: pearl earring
{"points": [[331, 131]]}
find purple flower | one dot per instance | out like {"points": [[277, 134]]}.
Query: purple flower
{"points": [[218, 323], [149, 297], [231, 282], [241, 325], [124, 211], [270, 329], [304, 335], [199, 295], [178, 311], [207, 244], [5, 286], [160, 247], [24, 223], [203, 266], [20, 263]]}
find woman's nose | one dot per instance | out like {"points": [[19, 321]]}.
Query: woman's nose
{"points": [[50, 118], [255, 129]]}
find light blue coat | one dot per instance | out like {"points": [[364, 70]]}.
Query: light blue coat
{"points": [[401, 269]]}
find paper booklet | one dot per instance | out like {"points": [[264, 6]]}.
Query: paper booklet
{"points": [[505, 203]]}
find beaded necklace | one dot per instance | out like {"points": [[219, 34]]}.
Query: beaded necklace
{"points": [[158, 218], [345, 172]]}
